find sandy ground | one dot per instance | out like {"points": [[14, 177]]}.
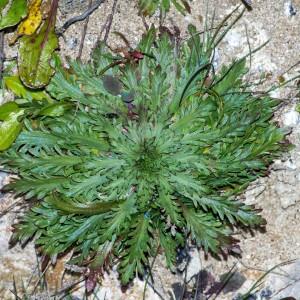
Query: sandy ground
{"points": [[278, 195]]}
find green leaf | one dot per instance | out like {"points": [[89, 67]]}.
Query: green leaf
{"points": [[165, 5], [7, 108], [179, 7], [10, 129], [229, 76], [148, 7], [81, 231], [37, 187], [166, 202], [14, 84], [117, 220], [88, 209], [169, 246], [206, 230], [55, 110], [147, 40], [35, 55], [186, 6], [16, 12], [138, 245], [3, 3], [102, 254]]}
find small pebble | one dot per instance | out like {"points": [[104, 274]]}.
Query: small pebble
{"points": [[266, 294], [289, 9], [291, 118], [72, 43]]}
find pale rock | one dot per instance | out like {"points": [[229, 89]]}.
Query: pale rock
{"points": [[15, 263], [253, 193], [263, 63], [194, 265], [234, 38], [275, 93], [291, 118], [286, 281], [287, 194], [72, 43], [290, 165], [288, 177], [287, 200], [277, 165], [188, 19]]}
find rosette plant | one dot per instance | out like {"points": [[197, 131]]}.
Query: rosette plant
{"points": [[137, 156]]}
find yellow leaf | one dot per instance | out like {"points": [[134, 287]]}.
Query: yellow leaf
{"points": [[33, 20]]}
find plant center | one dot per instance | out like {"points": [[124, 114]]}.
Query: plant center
{"points": [[148, 162]]}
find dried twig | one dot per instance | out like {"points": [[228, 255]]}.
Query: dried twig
{"points": [[109, 21], [41, 275], [84, 32], [265, 270], [81, 17], [68, 287], [145, 23], [289, 69], [150, 272], [8, 209], [156, 291]]}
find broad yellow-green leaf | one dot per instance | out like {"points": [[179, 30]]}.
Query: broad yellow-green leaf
{"points": [[16, 12], [55, 110], [7, 108], [35, 54], [14, 84], [3, 3], [33, 20], [10, 129], [31, 23]]}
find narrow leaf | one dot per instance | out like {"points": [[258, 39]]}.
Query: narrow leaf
{"points": [[179, 7], [88, 209]]}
